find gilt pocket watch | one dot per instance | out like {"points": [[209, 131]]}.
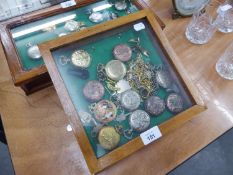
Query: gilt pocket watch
{"points": [[115, 70], [81, 59], [108, 137]]}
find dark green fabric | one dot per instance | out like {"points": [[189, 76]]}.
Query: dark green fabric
{"points": [[100, 48]]}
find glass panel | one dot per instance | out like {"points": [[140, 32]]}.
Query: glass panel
{"points": [[143, 80], [12, 8], [27, 36]]}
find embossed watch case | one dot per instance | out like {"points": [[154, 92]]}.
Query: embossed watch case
{"points": [[108, 129]]}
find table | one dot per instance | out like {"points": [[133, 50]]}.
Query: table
{"points": [[41, 143]]}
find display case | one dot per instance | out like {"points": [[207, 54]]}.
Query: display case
{"points": [[21, 36], [121, 86]]}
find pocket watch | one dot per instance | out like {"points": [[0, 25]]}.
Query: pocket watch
{"points": [[108, 137], [105, 111], [174, 103], [120, 5], [130, 100], [81, 59], [163, 78], [122, 52], [187, 7], [93, 91], [115, 70], [154, 105], [139, 120], [73, 25], [34, 52], [96, 17]]}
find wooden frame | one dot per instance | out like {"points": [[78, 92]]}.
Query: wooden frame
{"points": [[95, 165], [36, 78]]}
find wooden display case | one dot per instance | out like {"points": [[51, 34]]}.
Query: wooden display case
{"points": [[35, 76], [99, 42]]}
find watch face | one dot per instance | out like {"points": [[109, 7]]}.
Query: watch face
{"points": [[115, 70], [188, 7], [130, 100], [154, 105], [139, 120], [81, 59]]}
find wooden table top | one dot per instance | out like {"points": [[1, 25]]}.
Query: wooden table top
{"points": [[36, 126]]}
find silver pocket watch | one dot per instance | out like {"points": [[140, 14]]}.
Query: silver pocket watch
{"points": [[33, 51]]}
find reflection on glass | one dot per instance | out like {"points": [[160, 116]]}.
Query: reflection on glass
{"points": [[43, 26], [101, 7], [25, 6], [4, 11]]}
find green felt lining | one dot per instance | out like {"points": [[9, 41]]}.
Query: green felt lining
{"points": [[100, 48]]}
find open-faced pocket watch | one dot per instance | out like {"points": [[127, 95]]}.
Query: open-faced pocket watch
{"points": [[185, 8]]}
